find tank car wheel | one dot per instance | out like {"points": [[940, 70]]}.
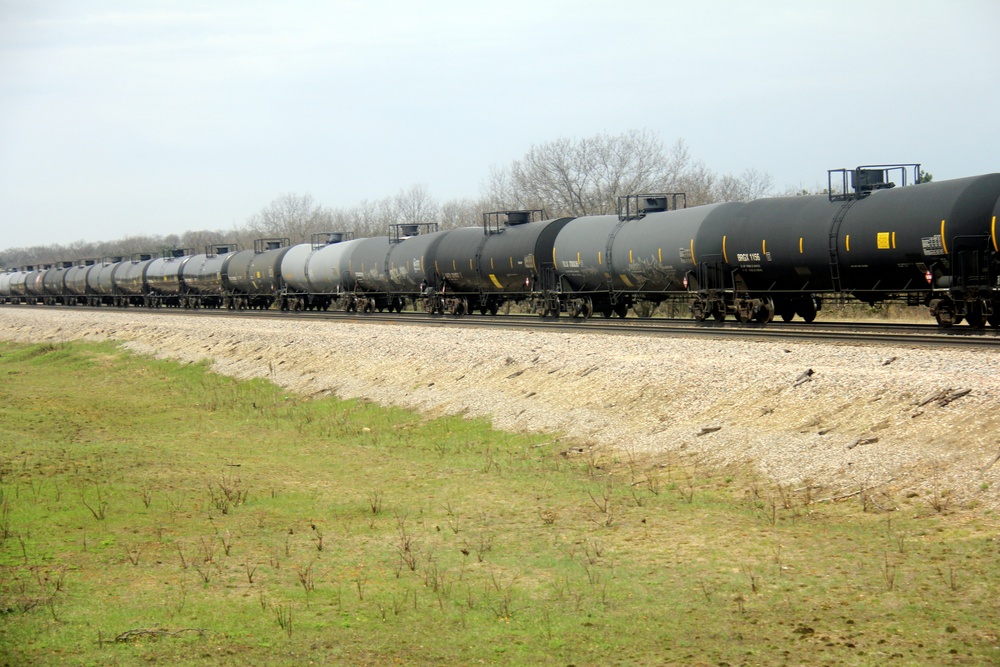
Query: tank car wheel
{"points": [[607, 313], [718, 312], [698, 311], [975, 316], [368, 307], [765, 312], [743, 312], [807, 312], [994, 320], [786, 311], [588, 308], [621, 310]]}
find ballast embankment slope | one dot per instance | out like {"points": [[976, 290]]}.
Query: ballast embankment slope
{"points": [[855, 423]]}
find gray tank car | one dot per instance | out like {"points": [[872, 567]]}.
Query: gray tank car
{"points": [[203, 277], [164, 282]]}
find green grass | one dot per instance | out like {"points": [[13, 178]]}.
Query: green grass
{"points": [[224, 521]]}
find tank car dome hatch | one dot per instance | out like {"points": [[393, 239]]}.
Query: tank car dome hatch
{"points": [[518, 217]]}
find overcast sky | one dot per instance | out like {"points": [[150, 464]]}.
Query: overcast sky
{"points": [[121, 118]]}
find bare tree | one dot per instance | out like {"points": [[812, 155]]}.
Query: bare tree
{"points": [[289, 215], [587, 176]]}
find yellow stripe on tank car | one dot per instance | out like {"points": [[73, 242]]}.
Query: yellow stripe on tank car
{"points": [[554, 256], [993, 232], [600, 259], [470, 265], [692, 252], [454, 265], [625, 280], [944, 244], [629, 259], [847, 242], [495, 281], [512, 261], [491, 260], [725, 258], [577, 259], [763, 247], [800, 245], [659, 254], [894, 240]]}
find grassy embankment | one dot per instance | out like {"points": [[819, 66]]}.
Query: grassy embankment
{"points": [[156, 512]]}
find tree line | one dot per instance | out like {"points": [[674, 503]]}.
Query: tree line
{"points": [[564, 177]]}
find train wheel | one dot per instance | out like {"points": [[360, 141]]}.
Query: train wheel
{"points": [[945, 316], [718, 312], [975, 316], [607, 312], [807, 311], [698, 310], [588, 308], [994, 320], [621, 310], [765, 312]]}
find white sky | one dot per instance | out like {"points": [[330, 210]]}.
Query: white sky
{"points": [[129, 117]]}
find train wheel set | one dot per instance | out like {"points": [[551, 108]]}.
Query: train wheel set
{"points": [[870, 239]]}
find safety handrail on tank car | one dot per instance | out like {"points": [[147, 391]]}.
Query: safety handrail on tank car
{"points": [[866, 179], [321, 239], [404, 230], [653, 203], [265, 244], [492, 224]]}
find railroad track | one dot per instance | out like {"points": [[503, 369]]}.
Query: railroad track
{"points": [[885, 333]]}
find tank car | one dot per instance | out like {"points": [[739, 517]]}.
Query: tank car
{"points": [[329, 275], [202, 276], [252, 278], [509, 259], [926, 243], [129, 281], [296, 266], [606, 263], [164, 280], [5, 291], [77, 289]]}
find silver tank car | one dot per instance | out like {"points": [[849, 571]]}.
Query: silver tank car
{"points": [[164, 279], [203, 276], [102, 281], [76, 281], [329, 276], [295, 272], [130, 280]]}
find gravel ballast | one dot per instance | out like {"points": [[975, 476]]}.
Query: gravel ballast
{"points": [[855, 423]]}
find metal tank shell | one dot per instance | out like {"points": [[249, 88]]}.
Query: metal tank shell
{"points": [[33, 286], [329, 268], [163, 275], [777, 244], [54, 280], [105, 278], [203, 273], [454, 263], [235, 272], [131, 277], [17, 283], [889, 240], [411, 262], [264, 271], [293, 267], [369, 264], [76, 277], [651, 254], [5, 279], [507, 262]]}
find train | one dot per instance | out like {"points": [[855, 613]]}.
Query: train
{"points": [[878, 234]]}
